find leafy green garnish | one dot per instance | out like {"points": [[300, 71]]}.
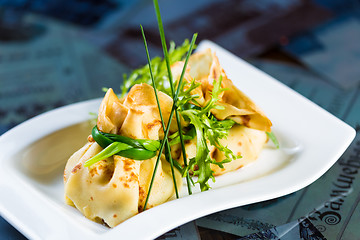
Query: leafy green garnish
{"points": [[161, 79], [173, 93], [208, 129], [273, 138], [186, 99], [202, 124], [113, 144], [109, 151], [167, 147], [188, 135]]}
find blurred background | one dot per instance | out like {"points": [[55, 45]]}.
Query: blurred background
{"points": [[57, 52]]}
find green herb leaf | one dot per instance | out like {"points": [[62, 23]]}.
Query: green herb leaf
{"points": [[174, 95], [150, 145], [100, 138], [208, 130], [104, 139], [273, 138], [167, 147], [142, 74], [109, 151], [202, 159], [137, 153], [189, 135], [113, 144]]}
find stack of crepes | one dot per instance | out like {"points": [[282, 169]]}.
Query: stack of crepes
{"points": [[114, 189]]}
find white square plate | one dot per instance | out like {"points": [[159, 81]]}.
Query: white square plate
{"points": [[33, 156]]}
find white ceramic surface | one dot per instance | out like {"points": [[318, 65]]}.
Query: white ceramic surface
{"points": [[33, 156]]}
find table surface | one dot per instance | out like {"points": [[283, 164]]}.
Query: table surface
{"points": [[54, 55]]}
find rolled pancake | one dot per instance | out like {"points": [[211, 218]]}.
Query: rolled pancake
{"points": [[205, 67], [115, 189], [248, 136], [242, 141]]}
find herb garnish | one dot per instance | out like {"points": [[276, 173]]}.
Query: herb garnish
{"points": [[167, 147], [112, 144], [170, 78], [203, 126], [273, 138], [173, 93], [208, 128], [142, 74]]}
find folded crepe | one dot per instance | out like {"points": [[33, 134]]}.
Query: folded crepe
{"points": [[115, 189], [204, 66], [248, 136], [242, 141]]}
